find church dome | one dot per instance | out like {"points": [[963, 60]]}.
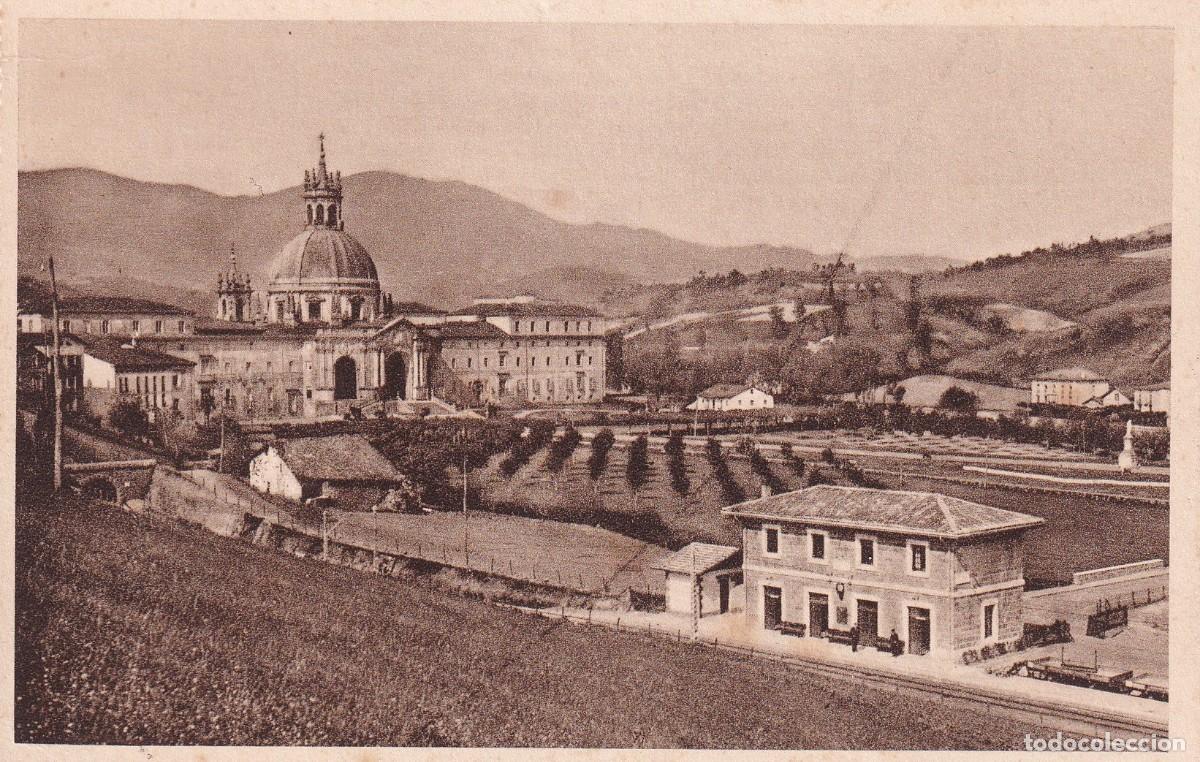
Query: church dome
{"points": [[323, 254]]}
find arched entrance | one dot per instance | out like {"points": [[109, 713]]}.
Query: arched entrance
{"points": [[99, 489], [395, 376], [345, 379]]}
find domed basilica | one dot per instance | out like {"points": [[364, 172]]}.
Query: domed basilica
{"points": [[324, 339]]}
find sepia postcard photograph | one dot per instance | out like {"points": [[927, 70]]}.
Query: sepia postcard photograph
{"points": [[619, 382]]}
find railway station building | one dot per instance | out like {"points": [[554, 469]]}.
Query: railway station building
{"points": [[946, 574]]}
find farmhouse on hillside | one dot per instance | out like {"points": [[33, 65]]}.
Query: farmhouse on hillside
{"points": [[708, 576], [946, 574], [732, 397], [345, 468], [1068, 386], [1154, 398], [1114, 397]]}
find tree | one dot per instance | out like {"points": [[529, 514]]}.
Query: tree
{"points": [[238, 451], [598, 460], [561, 450], [778, 326], [676, 465], [958, 399], [637, 469], [178, 434], [898, 395], [129, 419]]}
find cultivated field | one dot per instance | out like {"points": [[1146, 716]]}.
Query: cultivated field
{"points": [[1080, 532], [574, 556], [133, 632], [1069, 542]]}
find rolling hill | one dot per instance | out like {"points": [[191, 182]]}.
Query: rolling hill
{"points": [[441, 242]]}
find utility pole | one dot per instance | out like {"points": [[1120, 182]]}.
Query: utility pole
{"points": [[695, 598], [221, 457], [324, 534], [57, 371], [375, 545], [462, 438]]}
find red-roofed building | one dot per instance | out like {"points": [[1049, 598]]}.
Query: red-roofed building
{"points": [[946, 574]]}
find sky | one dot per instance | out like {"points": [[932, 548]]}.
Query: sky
{"points": [[962, 142]]}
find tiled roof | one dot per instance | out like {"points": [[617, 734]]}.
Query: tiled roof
{"points": [[1069, 374], [1166, 385], [343, 457], [479, 329], [415, 308], [115, 305], [527, 309], [129, 358], [924, 514], [723, 391], [208, 326], [699, 557]]}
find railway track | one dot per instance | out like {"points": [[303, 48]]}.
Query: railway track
{"points": [[1054, 716]]}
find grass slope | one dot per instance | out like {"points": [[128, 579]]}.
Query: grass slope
{"points": [[133, 632]]}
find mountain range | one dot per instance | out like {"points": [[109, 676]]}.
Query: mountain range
{"points": [[441, 242]]}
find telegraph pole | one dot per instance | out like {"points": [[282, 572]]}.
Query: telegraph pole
{"points": [[466, 520], [57, 365]]}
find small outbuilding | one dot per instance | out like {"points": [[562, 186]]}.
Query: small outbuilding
{"points": [[732, 397], [714, 571], [345, 468]]}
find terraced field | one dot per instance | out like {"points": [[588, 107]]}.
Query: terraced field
{"points": [[657, 512]]}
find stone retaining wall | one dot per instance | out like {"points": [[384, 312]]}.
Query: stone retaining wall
{"points": [[1110, 572]]}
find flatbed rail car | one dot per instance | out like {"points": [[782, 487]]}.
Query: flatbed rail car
{"points": [[1085, 675], [1148, 685]]}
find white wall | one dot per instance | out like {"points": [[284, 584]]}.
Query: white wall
{"points": [[98, 374], [269, 474]]}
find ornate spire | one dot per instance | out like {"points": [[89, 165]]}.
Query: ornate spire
{"points": [[321, 173], [232, 257]]}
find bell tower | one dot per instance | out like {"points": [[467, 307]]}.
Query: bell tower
{"points": [[323, 195], [234, 293]]}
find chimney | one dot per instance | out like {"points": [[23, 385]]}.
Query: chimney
{"points": [[765, 491]]}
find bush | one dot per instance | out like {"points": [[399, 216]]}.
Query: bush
{"points": [[958, 399]]}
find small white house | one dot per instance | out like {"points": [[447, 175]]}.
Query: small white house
{"points": [[1155, 398], [1114, 397], [732, 397], [344, 468], [711, 573]]}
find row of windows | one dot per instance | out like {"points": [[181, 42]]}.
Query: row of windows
{"points": [[580, 326], [866, 558], [107, 326], [143, 383], [517, 344], [209, 365], [533, 361]]}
